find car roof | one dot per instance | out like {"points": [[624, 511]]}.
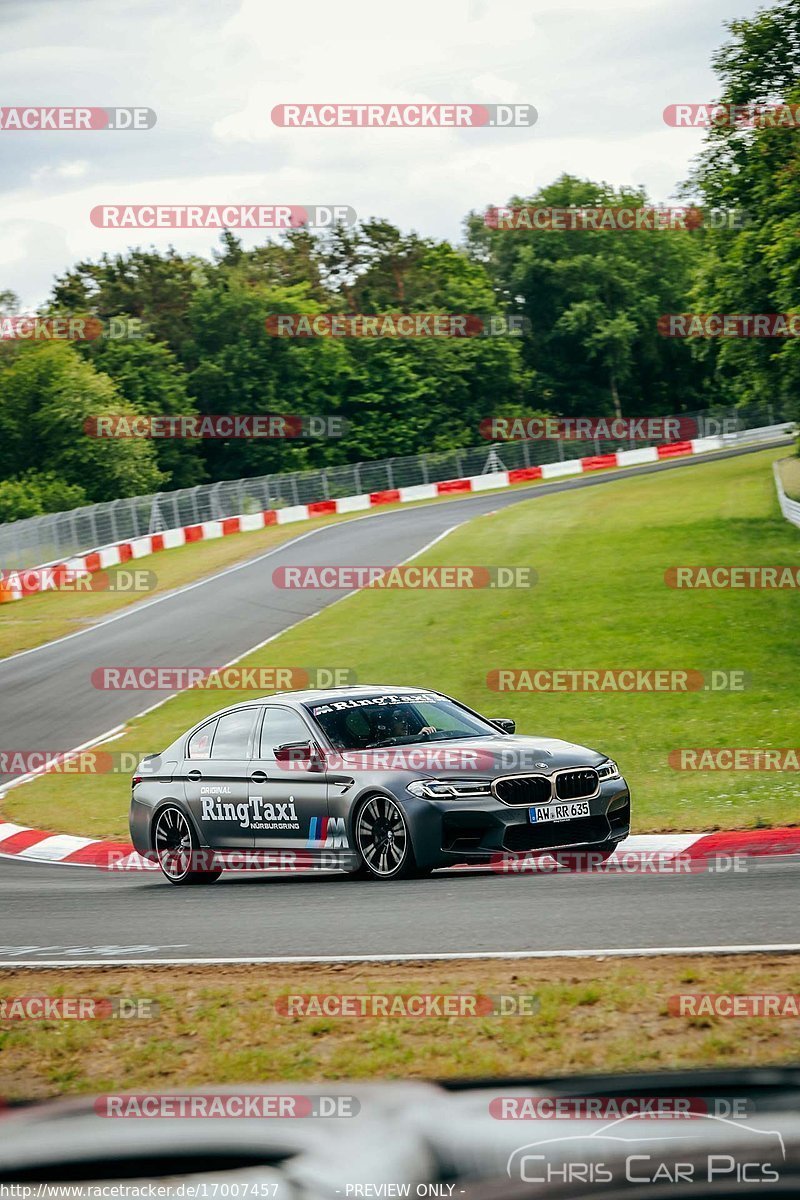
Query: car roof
{"points": [[312, 695]]}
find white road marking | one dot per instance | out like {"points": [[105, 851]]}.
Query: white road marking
{"points": [[278, 960]]}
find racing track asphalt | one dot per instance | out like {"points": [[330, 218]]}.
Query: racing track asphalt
{"points": [[78, 914]]}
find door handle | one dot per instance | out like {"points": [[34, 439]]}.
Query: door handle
{"points": [[259, 777], [194, 776]]}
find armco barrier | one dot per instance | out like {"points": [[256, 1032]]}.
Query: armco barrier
{"points": [[17, 585], [789, 508]]}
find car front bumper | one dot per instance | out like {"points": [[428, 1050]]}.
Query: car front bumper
{"points": [[446, 831]]}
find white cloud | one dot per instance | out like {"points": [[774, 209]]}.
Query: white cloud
{"points": [[599, 76]]}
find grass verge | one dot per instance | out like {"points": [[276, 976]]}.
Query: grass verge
{"points": [[601, 602], [221, 1026]]}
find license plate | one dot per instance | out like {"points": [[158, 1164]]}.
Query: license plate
{"points": [[559, 812]]}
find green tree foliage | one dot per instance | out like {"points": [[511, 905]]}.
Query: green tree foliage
{"points": [[755, 170], [593, 299], [47, 392]]}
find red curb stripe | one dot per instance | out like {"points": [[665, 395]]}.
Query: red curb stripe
{"points": [[193, 533], [453, 485], [23, 841], [99, 854], [520, 474], [673, 449], [599, 462], [392, 496], [321, 508], [754, 842]]}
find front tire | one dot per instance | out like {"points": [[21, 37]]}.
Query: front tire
{"points": [[383, 841], [176, 849]]}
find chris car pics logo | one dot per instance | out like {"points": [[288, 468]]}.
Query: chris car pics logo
{"points": [[627, 1151]]}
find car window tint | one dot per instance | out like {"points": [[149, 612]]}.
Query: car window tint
{"points": [[436, 716], [232, 738], [200, 742], [281, 725]]}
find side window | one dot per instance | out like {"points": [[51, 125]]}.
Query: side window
{"points": [[282, 725], [232, 739], [200, 741]]}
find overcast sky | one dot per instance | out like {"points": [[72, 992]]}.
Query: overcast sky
{"points": [[600, 76]]}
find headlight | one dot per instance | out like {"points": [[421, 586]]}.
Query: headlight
{"points": [[450, 789], [609, 770]]}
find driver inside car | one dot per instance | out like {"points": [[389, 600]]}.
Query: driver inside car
{"points": [[404, 723]]}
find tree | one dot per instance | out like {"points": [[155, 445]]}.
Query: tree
{"points": [[593, 298], [47, 391], [757, 172]]}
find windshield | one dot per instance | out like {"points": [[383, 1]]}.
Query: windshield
{"points": [[367, 722]]}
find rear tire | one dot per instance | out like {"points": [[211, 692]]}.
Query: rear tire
{"points": [[383, 841], [176, 849]]}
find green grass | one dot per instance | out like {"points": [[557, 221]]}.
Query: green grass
{"points": [[222, 1025], [601, 602]]}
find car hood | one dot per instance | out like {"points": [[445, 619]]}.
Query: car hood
{"points": [[479, 758]]}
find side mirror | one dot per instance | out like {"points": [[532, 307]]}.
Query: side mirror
{"points": [[505, 724], [305, 756]]}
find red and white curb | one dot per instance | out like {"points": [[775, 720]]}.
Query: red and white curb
{"points": [[20, 841], [15, 585], [35, 845]]}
